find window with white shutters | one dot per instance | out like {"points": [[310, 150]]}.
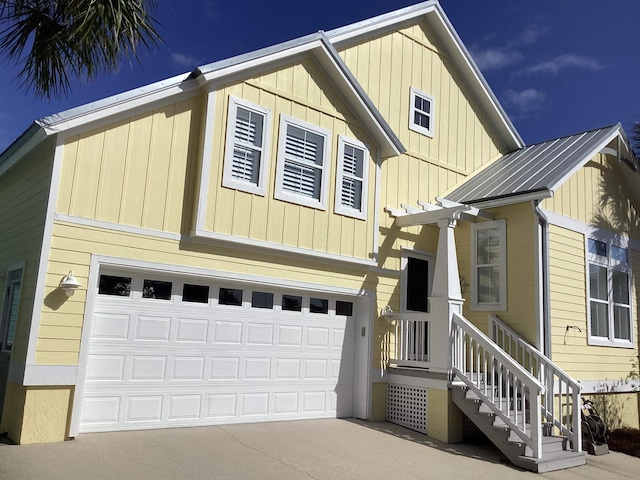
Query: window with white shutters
{"points": [[246, 147], [303, 157], [351, 178]]}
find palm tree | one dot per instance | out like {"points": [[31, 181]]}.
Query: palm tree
{"points": [[57, 41]]}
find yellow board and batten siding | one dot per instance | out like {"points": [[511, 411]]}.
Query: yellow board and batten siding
{"points": [[387, 66], [595, 195], [521, 312], [135, 172], [301, 91]]}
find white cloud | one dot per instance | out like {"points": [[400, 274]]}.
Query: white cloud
{"points": [[528, 36], [500, 57], [492, 59], [562, 62], [524, 101], [184, 60]]}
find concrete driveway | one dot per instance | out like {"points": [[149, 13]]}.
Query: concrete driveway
{"points": [[316, 449]]}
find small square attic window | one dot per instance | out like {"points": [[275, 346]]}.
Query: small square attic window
{"points": [[421, 112]]}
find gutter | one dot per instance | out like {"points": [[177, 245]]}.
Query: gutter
{"points": [[544, 337]]}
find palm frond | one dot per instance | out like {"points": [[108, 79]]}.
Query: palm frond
{"points": [[56, 41]]}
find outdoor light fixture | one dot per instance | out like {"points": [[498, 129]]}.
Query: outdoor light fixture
{"points": [[70, 284]]}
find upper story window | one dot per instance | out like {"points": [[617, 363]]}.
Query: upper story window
{"points": [[421, 112], [489, 255], [303, 163], [351, 178], [246, 150], [609, 293]]}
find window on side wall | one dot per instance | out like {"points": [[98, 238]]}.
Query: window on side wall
{"points": [[13, 289], [489, 259], [246, 149], [303, 163], [351, 178], [609, 293], [421, 112]]}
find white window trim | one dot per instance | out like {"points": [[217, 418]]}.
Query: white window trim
{"points": [[418, 128], [282, 194], [341, 209], [610, 264], [6, 306], [227, 177], [500, 306]]}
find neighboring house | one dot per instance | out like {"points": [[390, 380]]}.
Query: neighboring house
{"points": [[259, 240]]}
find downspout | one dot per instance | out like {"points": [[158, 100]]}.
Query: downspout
{"points": [[545, 279]]}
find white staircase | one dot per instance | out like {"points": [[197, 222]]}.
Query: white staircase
{"points": [[516, 396]]}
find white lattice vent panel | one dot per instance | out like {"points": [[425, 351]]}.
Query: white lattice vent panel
{"points": [[407, 406]]}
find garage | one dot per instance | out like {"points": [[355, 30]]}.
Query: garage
{"points": [[171, 351]]}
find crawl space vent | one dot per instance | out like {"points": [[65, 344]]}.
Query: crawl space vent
{"points": [[407, 406]]}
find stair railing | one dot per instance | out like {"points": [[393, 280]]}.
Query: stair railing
{"points": [[510, 391], [561, 404]]}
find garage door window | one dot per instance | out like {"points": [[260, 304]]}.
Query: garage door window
{"points": [[319, 305], [262, 300], [114, 285], [195, 293], [344, 308], [230, 296], [157, 290], [292, 303]]}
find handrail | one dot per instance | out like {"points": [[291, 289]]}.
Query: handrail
{"points": [[412, 338], [495, 377], [565, 414]]}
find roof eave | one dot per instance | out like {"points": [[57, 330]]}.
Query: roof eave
{"points": [[25, 143], [510, 199]]}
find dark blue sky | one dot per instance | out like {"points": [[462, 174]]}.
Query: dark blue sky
{"points": [[557, 66]]}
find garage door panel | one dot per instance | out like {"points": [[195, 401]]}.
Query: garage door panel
{"points": [[154, 364]]}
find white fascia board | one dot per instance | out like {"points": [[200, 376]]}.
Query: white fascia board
{"points": [[117, 104], [313, 45], [454, 45], [436, 17], [391, 19], [513, 199], [29, 140], [615, 131]]}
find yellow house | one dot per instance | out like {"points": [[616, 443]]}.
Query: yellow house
{"points": [[343, 225]]}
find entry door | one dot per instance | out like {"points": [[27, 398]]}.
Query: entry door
{"points": [[417, 277], [8, 325], [416, 280]]}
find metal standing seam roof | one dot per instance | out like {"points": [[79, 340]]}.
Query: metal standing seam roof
{"points": [[539, 167]]}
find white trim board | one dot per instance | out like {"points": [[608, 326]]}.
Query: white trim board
{"points": [[229, 241], [38, 299], [584, 228], [605, 386]]}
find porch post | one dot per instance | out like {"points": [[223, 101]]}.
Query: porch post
{"points": [[446, 297]]}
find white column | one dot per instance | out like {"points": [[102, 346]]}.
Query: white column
{"points": [[446, 279], [446, 297]]}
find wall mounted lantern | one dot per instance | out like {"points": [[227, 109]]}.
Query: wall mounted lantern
{"points": [[70, 284]]}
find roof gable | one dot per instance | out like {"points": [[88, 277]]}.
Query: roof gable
{"points": [[318, 46], [432, 13]]}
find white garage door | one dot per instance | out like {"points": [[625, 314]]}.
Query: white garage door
{"points": [[168, 352]]}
